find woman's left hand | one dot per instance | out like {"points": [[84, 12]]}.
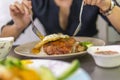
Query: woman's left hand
{"points": [[102, 4]]}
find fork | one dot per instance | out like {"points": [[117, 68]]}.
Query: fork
{"points": [[80, 17], [34, 28]]}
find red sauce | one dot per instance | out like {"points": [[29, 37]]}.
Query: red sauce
{"points": [[109, 52]]}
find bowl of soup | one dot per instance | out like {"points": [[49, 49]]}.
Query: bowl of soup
{"points": [[105, 56]]}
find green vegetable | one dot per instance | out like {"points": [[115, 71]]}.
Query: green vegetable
{"points": [[46, 74], [72, 68], [86, 44], [11, 62]]}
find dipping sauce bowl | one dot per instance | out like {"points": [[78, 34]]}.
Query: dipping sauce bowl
{"points": [[105, 56]]}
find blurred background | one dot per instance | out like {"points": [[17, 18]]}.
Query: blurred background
{"points": [[108, 34]]}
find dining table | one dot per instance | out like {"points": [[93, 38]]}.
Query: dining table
{"points": [[87, 63]]}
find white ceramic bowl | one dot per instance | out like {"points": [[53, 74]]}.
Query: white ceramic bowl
{"points": [[106, 60], [5, 46]]}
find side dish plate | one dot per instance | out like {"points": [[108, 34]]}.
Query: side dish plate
{"points": [[58, 67]]}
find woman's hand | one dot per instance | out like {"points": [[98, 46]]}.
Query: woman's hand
{"points": [[20, 13], [102, 4]]}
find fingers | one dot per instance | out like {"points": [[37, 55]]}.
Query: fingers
{"points": [[99, 1], [21, 8], [92, 2], [17, 8], [14, 9], [27, 4], [88, 2]]}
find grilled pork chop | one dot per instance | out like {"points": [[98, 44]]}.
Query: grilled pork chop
{"points": [[56, 44], [61, 46]]}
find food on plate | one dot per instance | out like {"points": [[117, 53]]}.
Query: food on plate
{"points": [[71, 69], [56, 44], [61, 46], [47, 74], [15, 69], [47, 39]]}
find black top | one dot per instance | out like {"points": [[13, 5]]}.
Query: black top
{"points": [[47, 12]]}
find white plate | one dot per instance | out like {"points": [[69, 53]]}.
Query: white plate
{"points": [[57, 67], [25, 49]]}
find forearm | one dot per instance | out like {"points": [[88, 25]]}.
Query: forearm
{"points": [[11, 30], [114, 18]]}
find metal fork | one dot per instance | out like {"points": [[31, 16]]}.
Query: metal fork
{"points": [[34, 28], [80, 17]]}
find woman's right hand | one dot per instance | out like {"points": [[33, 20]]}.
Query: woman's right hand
{"points": [[20, 13]]}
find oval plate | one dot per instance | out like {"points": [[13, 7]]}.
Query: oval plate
{"points": [[25, 49]]}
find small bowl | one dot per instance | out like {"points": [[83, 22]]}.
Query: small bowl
{"points": [[106, 56], [5, 46]]}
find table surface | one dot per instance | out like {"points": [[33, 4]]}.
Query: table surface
{"points": [[88, 64]]}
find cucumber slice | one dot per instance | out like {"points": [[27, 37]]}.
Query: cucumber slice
{"points": [[73, 67], [46, 74], [86, 44]]}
